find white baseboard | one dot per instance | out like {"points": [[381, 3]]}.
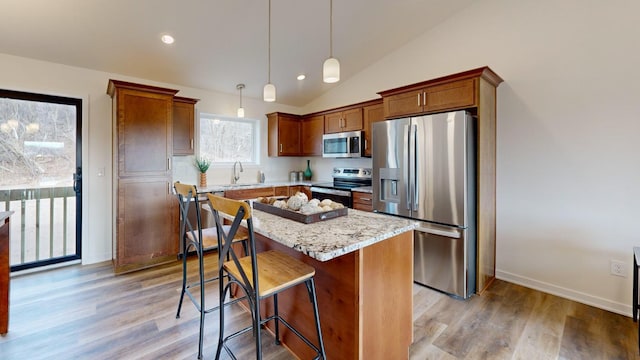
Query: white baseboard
{"points": [[605, 304]]}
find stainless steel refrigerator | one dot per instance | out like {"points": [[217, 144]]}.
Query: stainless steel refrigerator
{"points": [[424, 169]]}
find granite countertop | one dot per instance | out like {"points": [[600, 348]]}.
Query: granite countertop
{"points": [[326, 240], [225, 187], [363, 189]]}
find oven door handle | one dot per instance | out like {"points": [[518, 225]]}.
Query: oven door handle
{"points": [[330, 191]]}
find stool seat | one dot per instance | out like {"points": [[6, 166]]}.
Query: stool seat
{"points": [[278, 271], [210, 236]]}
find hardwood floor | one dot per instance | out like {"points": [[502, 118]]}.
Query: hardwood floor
{"points": [[85, 312]]}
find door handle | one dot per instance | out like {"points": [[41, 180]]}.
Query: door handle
{"points": [[280, 147], [191, 144], [419, 102], [169, 163]]}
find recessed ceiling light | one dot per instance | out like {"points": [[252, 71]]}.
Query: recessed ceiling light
{"points": [[167, 39], [301, 77]]}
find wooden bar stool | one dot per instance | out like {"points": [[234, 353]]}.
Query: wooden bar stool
{"points": [[199, 240], [259, 275]]}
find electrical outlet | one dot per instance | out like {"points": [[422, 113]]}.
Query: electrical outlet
{"points": [[618, 268]]}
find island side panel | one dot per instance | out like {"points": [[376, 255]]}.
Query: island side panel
{"points": [[387, 298], [337, 287]]}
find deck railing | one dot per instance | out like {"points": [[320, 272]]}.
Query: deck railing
{"points": [[43, 223]]}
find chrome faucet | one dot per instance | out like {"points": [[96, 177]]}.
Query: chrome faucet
{"points": [[236, 175]]}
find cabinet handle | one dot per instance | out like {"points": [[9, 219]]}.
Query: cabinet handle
{"points": [[365, 144], [280, 147], [424, 98], [169, 163], [191, 144], [419, 102]]}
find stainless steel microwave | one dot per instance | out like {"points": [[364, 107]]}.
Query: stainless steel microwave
{"points": [[342, 145]]}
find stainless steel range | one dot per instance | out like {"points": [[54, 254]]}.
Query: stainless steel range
{"points": [[344, 179]]}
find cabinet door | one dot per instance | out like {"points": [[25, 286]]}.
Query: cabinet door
{"points": [[362, 201], [183, 127], [311, 139], [455, 95], [144, 133], [245, 194], [352, 120], [147, 224], [372, 113], [289, 136], [333, 123], [407, 103]]}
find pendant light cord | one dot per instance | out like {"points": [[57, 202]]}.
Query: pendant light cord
{"points": [[330, 28], [269, 72]]}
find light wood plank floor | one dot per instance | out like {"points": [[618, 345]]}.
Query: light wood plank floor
{"points": [[85, 312]]}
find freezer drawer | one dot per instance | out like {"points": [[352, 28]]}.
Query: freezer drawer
{"points": [[444, 260]]}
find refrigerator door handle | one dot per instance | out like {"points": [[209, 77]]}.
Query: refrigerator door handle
{"points": [[407, 183], [414, 157], [449, 234]]}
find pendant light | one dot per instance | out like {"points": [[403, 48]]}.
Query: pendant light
{"points": [[331, 67], [240, 109], [269, 91]]}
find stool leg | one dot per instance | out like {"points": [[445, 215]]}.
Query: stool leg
{"points": [[256, 326], [202, 305], [312, 292], [184, 277], [276, 319]]}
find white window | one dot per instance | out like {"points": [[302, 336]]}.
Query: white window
{"points": [[225, 140]]}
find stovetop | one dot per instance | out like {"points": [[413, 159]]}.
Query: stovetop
{"points": [[348, 178]]}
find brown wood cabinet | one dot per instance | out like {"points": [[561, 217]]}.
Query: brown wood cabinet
{"points": [[312, 129], [372, 113], [245, 194], [347, 120], [474, 90], [280, 191], [146, 213], [183, 125], [5, 269], [362, 201], [284, 134], [301, 188], [431, 98]]}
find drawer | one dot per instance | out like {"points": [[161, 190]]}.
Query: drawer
{"points": [[362, 201]]}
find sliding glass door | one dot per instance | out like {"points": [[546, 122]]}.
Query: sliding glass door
{"points": [[41, 177]]}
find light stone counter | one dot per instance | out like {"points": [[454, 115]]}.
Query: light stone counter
{"points": [[225, 187], [329, 239]]}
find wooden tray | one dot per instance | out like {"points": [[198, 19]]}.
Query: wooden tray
{"points": [[300, 217]]}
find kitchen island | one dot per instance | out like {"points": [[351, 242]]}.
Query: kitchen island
{"points": [[364, 277]]}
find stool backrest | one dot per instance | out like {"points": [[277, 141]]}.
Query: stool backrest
{"points": [[186, 195], [240, 211]]}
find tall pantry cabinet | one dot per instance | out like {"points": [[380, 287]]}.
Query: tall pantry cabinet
{"points": [[146, 214]]}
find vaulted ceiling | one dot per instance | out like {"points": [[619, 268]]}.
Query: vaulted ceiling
{"points": [[218, 43]]}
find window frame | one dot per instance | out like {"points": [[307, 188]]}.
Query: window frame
{"points": [[256, 138]]}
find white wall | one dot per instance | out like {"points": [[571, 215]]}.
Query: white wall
{"points": [[568, 173], [48, 78]]}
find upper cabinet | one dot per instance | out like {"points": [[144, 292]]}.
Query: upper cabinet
{"points": [[372, 113], [312, 128], [345, 120], [454, 95], [284, 134], [183, 125]]}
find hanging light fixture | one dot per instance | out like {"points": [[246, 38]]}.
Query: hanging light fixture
{"points": [[240, 109], [269, 91], [331, 67]]}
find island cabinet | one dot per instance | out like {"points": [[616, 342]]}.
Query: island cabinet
{"points": [[183, 125], [146, 213], [312, 128], [372, 113], [475, 91], [345, 120], [284, 134], [363, 278]]}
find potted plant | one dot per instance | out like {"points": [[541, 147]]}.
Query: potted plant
{"points": [[203, 165]]}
